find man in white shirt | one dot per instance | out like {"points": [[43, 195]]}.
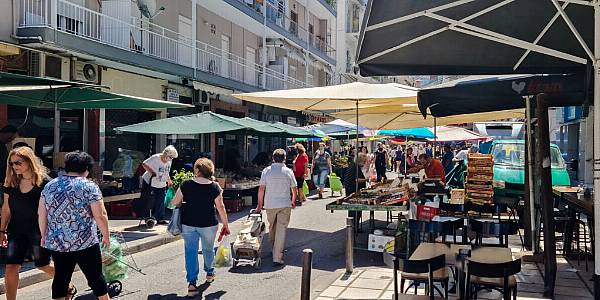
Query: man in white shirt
{"points": [[277, 195], [155, 182]]}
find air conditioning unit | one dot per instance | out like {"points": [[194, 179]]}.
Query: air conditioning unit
{"points": [[201, 98], [85, 72]]}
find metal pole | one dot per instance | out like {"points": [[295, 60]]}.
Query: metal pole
{"points": [[434, 135], [547, 201], [596, 148], [56, 125], [85, 140], [306, 270], [356, 155], [349, 245], [530, 173]]}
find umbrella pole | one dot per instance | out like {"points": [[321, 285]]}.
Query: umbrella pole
{"points": [[56, 125], [434, 135], [531, 185], [356, 150], [596, 166]]}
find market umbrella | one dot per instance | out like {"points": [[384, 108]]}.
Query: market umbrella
{"points": [[475, 94], [399, 117], [41, 92], [204, 122], [418, 133], [451, 134], [343, 96], [283, 130], [488, 37]]}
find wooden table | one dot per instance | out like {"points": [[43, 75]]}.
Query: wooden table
{"points": [[568, 195], [122, 197], [482, 254]]}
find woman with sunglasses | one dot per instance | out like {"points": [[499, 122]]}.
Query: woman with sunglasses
{"points": [[19, 229]]}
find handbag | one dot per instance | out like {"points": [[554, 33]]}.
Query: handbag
{"points": [[174, 227]]}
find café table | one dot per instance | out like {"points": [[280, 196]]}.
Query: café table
{"points": [[480, 254], [575, 204]]}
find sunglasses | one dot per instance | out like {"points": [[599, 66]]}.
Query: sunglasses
{"points": [[17, 163]]}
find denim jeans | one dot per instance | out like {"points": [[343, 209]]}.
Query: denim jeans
{"points": [[321, 178], [155, 198], [191, 236]]}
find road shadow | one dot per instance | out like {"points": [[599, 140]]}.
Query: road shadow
{"points": [[202, 288], [328, 252]]}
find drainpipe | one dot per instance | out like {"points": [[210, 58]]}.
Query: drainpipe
{"points": [[264, 48]]}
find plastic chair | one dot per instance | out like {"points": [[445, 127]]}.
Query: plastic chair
{"points": [[500, 277]]}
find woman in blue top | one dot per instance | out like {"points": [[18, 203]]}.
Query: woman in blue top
{"points": [[321, 168], [70, 213]]}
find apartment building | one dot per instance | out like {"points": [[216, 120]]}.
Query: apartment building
{"points": [[348, 26], [193, 51]]}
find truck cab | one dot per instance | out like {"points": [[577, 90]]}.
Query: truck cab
{"points": [[509, 167]]}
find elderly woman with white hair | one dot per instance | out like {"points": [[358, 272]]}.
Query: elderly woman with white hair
{"points": [[155, 182]]}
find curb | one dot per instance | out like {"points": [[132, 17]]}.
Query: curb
{"points": [[35, 276]]}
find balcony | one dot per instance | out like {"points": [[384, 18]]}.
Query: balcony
{"points": [[291, 29], [117, 38]]}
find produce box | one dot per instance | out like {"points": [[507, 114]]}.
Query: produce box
{"points": [[480, 177], [377, 242], [480, 169], [426, 213], [122, 209]]}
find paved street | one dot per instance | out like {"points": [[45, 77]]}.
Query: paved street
{"points": [[311, 227]]}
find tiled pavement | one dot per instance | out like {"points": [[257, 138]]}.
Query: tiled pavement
{"points": [[376, 283]]}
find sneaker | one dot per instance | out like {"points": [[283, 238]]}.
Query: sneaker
{"points": [[278, 264], [163, 222], [210, 278], [192, 290]]}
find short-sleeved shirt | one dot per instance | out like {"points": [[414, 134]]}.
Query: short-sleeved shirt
{"points": [[24, 209], [462, 155], [278, 181], [162, 171], [299, 164], [198, 209], [435, 170], [71, 225]]}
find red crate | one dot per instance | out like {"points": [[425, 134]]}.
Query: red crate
{"points": [[233, 205], [120, 209], [426, 212]]}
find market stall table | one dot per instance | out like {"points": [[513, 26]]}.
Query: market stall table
{"points": [[585, 205]]}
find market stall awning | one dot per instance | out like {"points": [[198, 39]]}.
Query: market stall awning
{"points": [[475, 37], [282, 129], [475, 94], [401, 116], [205, 122], [342, 96], [451, 134], [417, 133]]}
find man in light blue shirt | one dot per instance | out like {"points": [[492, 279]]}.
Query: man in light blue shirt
{"points": [[277, 195]]}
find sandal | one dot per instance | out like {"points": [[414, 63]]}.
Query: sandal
{"points": [[210, 278], [71, 292], [192, 291]]}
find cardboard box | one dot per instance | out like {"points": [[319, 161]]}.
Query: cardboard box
{"points": [[457, 196], [377, 242]]}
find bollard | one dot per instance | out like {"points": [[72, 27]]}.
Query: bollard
{"points": [[306, 270], [349, 245]]}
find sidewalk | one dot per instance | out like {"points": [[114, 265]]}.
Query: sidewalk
{"points": [[377, 283], [137, 239]]}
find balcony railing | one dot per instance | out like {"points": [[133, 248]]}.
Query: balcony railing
{"points": [[146, 38], [320, 44]]}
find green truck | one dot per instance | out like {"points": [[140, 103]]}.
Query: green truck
{"points": [[509, 168]]}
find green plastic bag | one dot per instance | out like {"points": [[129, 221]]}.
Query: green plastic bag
{"points": [[169, 195]]}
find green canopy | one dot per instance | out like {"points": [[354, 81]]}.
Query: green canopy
{"points": [[41, 92], [205, 122], [299, 131]]}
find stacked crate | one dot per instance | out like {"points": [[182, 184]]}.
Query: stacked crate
{"points": [[480, 175]]}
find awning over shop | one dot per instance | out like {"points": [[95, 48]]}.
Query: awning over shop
{"points": [[476, 94], [451, 134], [417, 133], [282, 129], [342, 96]]}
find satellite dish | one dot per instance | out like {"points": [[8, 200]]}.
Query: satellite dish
{"points": [[148, 8]]}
